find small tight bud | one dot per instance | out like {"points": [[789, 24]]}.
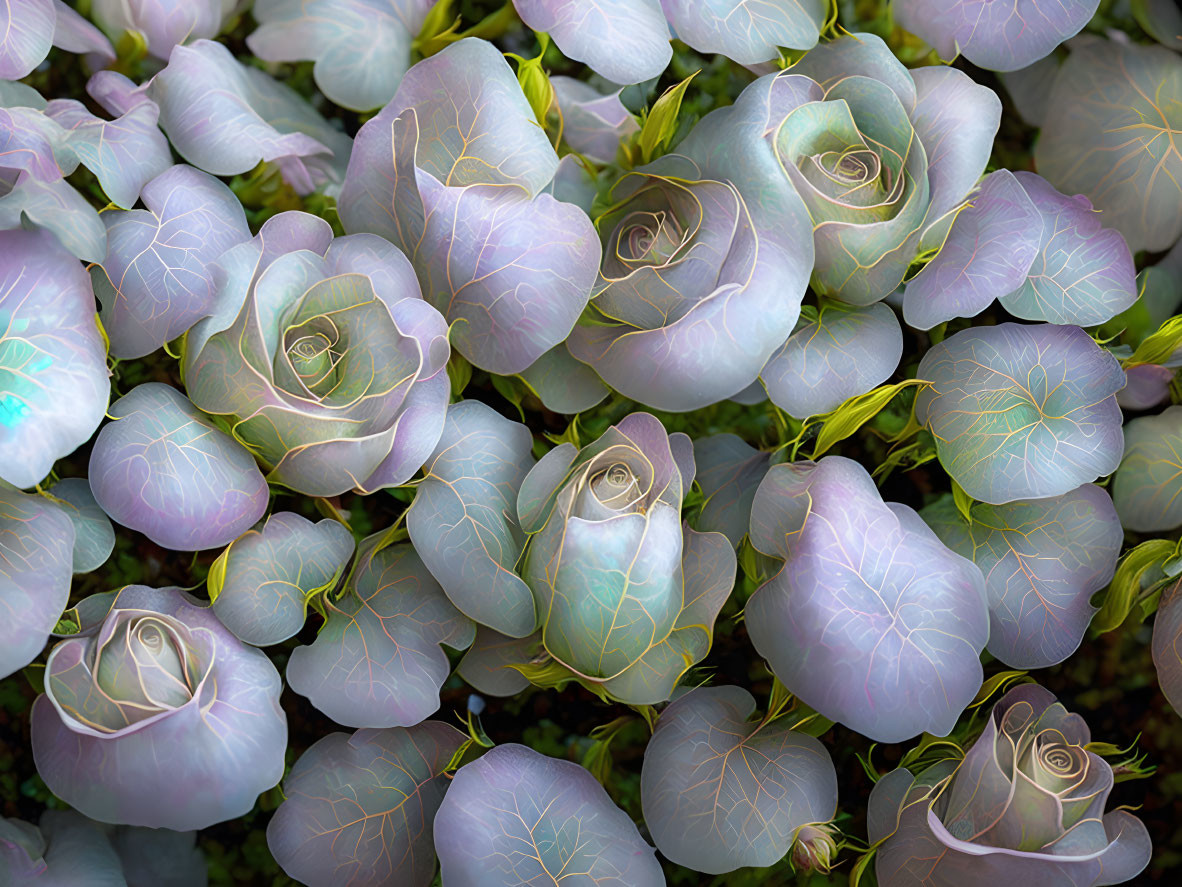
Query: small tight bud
{"points": [[815, 848]]}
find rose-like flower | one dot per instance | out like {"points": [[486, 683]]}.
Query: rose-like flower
{"points": [[882, 156], [325, 357], [156, 715], [697, 288], [1025, 806], [611, 566], [624, 595]]}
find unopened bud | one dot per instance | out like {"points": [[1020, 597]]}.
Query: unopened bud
{"points": [[814, 849]]}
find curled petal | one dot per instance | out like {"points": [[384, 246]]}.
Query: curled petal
{"points": [[27, 27], [164, 23], [225, 118], [593, 124]]}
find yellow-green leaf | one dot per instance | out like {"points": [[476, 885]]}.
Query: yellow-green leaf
{"points": [[856, 412], [963, 501], [1126, 583], [216, 579], [1159, 346], [660, 123]]}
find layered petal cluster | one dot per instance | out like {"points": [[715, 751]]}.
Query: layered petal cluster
{"points": [[871, 620], [998, 36], [323, 356], [156, 715], [627, 41], [626, 594], [54, 384], [881, 156], [697, 288], [1025, 806], [1022, 412], [453, 171], [586, 545], [514, 816]]}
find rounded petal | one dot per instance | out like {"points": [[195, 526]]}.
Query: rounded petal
{"points": [[164, 23], [871, 621], [729, 473], [987, 254], [36, 540], [844, 353], [160, 856], [1043, 559], [157, 277], [358, 809], [377, 661], [748, 33], [1102, 137], [515, 817], [625, 41], [721, 792], [462, 521], [1147, 488], [27, 26], [487, 665], [1083, 274], [53, 365], [164, 469], [94, 537], [562, 384], [361, 47], [1146, 386], [996, 36], [1022, 412]]}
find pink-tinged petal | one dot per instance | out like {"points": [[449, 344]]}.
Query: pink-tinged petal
{"points": [[514, 817], [625, 41], [166, 470]]}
